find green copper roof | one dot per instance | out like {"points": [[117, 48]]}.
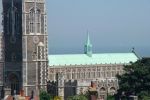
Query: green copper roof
{"points": [[83, 59]]}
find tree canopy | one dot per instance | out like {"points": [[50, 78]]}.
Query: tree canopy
{"points": [[44, 95], [136, 80]]}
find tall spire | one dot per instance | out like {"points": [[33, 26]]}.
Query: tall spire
{"points": [[88, 46], [88, 38]]}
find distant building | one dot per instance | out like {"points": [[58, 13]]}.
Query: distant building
{"points": [[84, 68]]}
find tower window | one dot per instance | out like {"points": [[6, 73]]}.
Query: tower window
{"points": [[35, 21], [38, 21], [32, 16]]}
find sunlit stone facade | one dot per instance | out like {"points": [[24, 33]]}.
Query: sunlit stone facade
{"points": [[103, 75]]}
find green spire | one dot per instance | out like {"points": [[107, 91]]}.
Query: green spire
{"points": [[88, 38], [88, 46]]}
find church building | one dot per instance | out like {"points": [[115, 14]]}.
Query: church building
{"points": [[26, 66], [82, 69]]}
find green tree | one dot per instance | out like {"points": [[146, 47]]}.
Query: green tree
{"points": [[136, 80], [44, 95]]}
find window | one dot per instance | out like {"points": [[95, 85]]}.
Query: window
{"points": [[78, 75], [103, 74], [35, 21], [38, 21], [92, 74], [88, 75], [32, 20], [82, 75], [68, 76], [98, 74], [73, 75]]}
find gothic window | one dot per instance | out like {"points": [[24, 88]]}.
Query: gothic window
{"points": [[113, 73], [88, 75], [32, 18], [98, 74], [78, 75], [35, 21], [103, 74], [38, 21], [92, 74], [73, 75], [68, 76], [82, 75]]}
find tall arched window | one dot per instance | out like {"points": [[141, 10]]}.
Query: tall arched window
{"points": [[32, 18], [35, 21], [38, 21]]}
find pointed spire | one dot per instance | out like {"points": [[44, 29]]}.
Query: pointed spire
{"points": [[88, 38], [88, 46]]}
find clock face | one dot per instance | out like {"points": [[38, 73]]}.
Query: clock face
{"points": [[35, 39]]}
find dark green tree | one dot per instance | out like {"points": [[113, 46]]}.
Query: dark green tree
{"points": [[136, 80], [45, 96]]}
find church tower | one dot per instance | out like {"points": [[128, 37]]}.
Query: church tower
{"points": [[12, 36], [35, 46], [88, 46], [25, 45]]}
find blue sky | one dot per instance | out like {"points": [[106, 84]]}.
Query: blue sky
{"points": [[114, 25]]}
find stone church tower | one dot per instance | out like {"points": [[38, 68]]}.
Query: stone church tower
{"points": [[26, 45]]}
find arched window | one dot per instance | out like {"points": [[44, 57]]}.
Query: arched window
{"points": [[35, 21], [32, 20], [38, 21]]}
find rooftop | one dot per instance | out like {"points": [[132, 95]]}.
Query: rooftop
{"points": [[84, 59]]}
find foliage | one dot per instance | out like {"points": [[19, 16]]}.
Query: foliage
{"points": [[45, 96], [110, 97], [57, 98], [77, 97], [136, 80]]}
